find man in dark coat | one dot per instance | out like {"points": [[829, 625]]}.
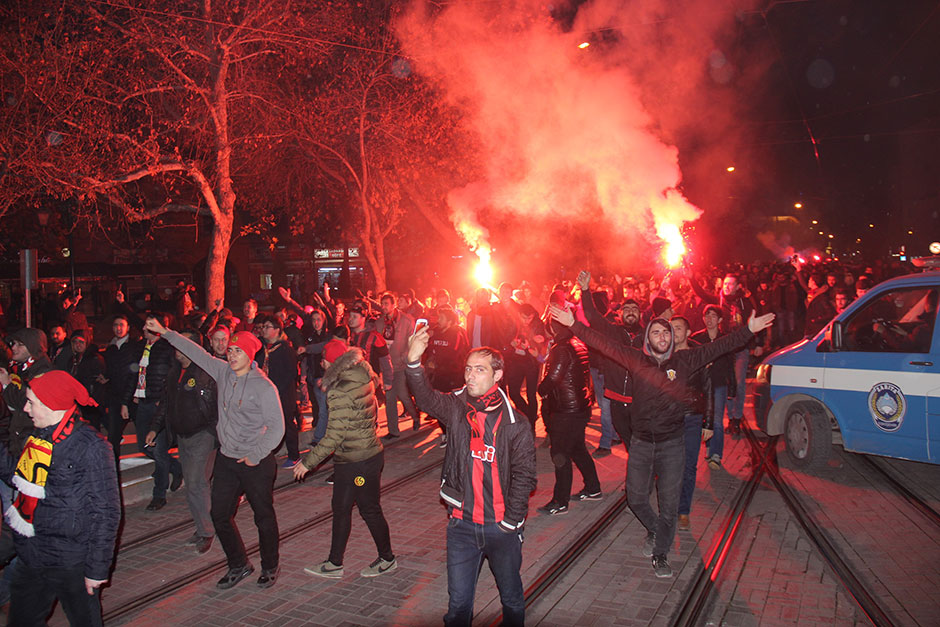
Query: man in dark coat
{"points": [[29, 350], [68, 509], [121, 357], [279, 362]]}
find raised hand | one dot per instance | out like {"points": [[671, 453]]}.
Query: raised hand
{"points": [[417, 344], [758, 323], [584, 280], [564, 316]]}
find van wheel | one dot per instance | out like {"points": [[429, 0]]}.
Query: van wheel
{"points": [[808, 436]]}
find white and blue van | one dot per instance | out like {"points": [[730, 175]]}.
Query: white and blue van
{"points": [[871, 378]]}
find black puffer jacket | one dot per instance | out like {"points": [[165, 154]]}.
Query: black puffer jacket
{"points": [[190, 402], [566, 383], [161, 360], [76, 523], [660, 388]]}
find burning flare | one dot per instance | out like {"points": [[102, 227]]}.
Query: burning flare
{"points": [[483, 272], [675, 245]]}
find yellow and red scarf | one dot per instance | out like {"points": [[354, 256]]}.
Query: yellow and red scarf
{"points": [[32, 470]]}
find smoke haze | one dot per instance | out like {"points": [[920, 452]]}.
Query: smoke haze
{"points": [[579, 144]]}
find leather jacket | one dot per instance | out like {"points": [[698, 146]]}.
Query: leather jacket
{"points": [[566, 379]]}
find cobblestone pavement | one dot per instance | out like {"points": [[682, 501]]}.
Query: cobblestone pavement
{"points": [[772, 575]]}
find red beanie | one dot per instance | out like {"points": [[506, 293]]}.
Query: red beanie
{"points": [[59, 390], [247, 342], [334, 349]]}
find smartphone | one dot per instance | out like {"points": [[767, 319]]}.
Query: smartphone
{"points": [[420, 323]]}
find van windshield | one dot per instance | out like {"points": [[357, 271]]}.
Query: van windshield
{"points": [[899, 321]]}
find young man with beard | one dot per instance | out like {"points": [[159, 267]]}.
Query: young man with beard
{"points": [[445, 356], [278, 361], [488, 474], [376, 351], [352, 439], [617, 385], [60, 349], [657, 447], [120, 370], [250, 427]]}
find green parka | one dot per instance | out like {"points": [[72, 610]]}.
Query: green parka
{"points": [[350, 385]]}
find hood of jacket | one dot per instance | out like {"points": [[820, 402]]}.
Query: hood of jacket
{"points": [[647, 349], [344, 364]]}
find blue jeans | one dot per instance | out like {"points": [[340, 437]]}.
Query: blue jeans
{"points": [[163, 462], [607, 425], [665, 461], [693, 443], [716, 445], [322, 414], [736, 411], [467, 544]]}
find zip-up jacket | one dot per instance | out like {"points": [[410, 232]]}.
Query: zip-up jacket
{"points": [[189, 402], [660, 388], [566, 383], [513, 442], [617, 383]]}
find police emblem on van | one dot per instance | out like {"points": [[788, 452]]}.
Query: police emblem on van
{"points": [[887, 405]]}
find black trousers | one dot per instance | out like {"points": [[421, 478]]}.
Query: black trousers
{"points": [[359, 484], [230, 480], [566, 432], [620, 417], [293, 423], [33, 591], [517, 372]]}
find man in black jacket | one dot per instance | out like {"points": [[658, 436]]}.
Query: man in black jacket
{"points": [[120, 372], [143, 394], [189, 411], [486, 480], [279, 362], [29, 349], [660, 393], [566, 406]]}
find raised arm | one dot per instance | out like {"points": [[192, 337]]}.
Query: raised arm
{"points": [[437, 404], [215, 367], [627, 356], [593, 316]]}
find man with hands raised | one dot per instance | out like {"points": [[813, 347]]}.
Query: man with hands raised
{"points": [[660, 380], [250, 427], [486, 479]]}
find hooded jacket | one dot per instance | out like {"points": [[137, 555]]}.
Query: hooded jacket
{"points": [[513, 442], [660, 383], [350, 385]]}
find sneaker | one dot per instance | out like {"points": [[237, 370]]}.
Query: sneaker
{"points": [[156, 504], [443, 443], [554, 509], [203, 545], [289, 463], [268, 577], [601, 452], [584, 495], [661, 567], [233, 576], [327, 569], [649, 544], [329, 480], [684, 522], [714, 462], [194, 539], [379, 567]]}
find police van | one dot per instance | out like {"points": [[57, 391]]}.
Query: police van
{"points": [[870, 379]]}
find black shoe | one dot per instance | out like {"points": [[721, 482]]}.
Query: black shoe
{"points": [[553, 509], [233, 576], [601, 451], [203, 544], [587, 495], [329, 480], [391, 436], [156, 504], [661, 567], [268, 577], [177, 482]]}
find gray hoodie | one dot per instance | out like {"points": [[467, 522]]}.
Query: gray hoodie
{"points": [[251, 423]]}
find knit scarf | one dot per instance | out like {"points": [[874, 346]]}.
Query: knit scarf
{"points": [[476, 416], [32, 470]]}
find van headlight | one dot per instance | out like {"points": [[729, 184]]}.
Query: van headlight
{"points": [[763, 373]]}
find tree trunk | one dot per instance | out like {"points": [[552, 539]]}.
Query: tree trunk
{"points": [[215, 264]]}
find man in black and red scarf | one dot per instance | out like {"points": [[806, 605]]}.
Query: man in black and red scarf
{"points": [[56, 562], [486, 480]]}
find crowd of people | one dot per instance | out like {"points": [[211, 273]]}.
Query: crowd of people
{"points": [[664, 359]]}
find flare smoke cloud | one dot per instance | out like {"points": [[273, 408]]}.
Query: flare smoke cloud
{"points": [[570, 134]]}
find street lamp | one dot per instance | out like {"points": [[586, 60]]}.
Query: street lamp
{"points": [[797, 205]]}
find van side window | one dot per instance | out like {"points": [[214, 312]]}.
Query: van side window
{"points": [[900, 321]]}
